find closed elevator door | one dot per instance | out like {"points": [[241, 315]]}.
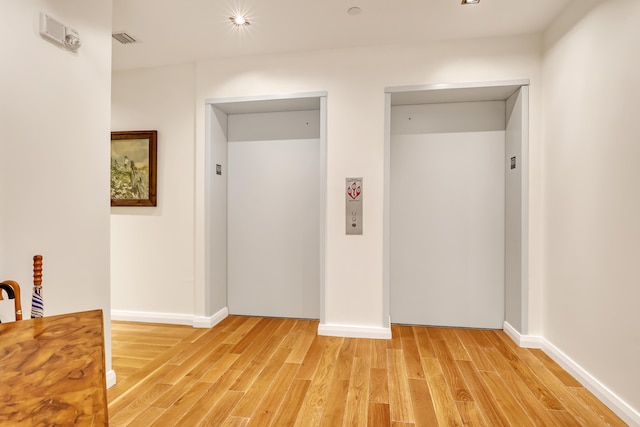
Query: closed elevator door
{"points": [[447, 215], [273, 214]]}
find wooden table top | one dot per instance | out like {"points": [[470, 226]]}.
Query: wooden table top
{"points": [[52, 371]]}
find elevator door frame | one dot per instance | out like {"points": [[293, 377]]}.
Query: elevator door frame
{"points": [[215, 283], [466, 92]]}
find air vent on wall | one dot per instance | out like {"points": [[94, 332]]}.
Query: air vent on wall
{"points": [[124, 38]]}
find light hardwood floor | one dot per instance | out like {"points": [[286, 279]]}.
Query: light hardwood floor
{"points": [[251, 371]]}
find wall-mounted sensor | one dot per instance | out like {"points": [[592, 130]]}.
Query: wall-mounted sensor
{"points": [[58, 33]]}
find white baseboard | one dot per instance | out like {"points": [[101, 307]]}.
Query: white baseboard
{"points": [[526, 341], [170, 318], [354, 331], [211, 321], [111, 378], [617, 405], [151, 317]]}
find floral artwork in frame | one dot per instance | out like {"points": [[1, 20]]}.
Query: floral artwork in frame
{"points": [[133, 168]]}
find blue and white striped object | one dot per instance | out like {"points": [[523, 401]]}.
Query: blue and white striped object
{"points": [[37, 303]]}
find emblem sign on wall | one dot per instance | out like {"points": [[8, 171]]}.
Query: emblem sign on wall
{"points": [[353, 204]]}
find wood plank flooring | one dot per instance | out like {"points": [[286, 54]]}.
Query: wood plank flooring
{"points": [[251, 371]]}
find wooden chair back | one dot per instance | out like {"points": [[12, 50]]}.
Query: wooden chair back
{"points": [[12, 289]]}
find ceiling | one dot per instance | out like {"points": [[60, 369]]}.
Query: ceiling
{"points": [[177, 31]]}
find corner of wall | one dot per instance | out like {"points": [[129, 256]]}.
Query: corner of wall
{"points": [[524, 341], [111, 378], [210, 321], [567, 20]]}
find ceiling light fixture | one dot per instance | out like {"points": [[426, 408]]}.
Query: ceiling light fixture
{"points": [[354, 11], [239, 20], [470, 1]]}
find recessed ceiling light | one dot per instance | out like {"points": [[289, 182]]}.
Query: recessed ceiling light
{"points": [[470, 1], [354, 10], [239, 20]]}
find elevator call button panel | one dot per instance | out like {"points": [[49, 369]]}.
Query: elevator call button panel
{"points": [[353, 213]]}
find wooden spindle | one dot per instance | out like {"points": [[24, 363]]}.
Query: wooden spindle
{"points": [[37, 270]]}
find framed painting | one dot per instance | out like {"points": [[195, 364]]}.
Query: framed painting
{"points": [[133, 168]]}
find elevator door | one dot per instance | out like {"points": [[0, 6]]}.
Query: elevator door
{"points": [[447, 228], [273, 228]]}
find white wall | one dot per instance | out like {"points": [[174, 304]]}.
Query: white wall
{"points": [[355, 80], [152, 247], [54, 155], [591, 192]]}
